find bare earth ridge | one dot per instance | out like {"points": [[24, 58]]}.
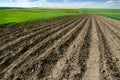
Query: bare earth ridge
{"points": [[83, 47]]}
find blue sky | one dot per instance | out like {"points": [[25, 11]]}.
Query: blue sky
{"points": [[62, 3]]}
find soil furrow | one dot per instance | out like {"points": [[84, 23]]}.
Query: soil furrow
{"points": [[111, 22], [28, 52], [108, 66], [75, 47], [25, 35], [16, 28], [92, 72], [11, 59], [113, 43], [69, 63], [112, 29], [50, 49], [46, 67], [30, 42], [84, 54], [40, 31]]}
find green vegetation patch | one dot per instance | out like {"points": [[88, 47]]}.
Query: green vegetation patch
{"points": [[20, 15], [15, 15]]}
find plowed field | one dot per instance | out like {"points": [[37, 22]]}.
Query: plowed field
{"points": [[85, 47]]}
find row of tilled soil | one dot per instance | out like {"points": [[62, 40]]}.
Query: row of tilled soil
{"points": [[83, 47]]}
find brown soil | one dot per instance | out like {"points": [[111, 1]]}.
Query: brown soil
{"points": [[85, 47]]}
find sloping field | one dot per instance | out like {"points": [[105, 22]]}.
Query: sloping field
{"points": [[83, 47]]}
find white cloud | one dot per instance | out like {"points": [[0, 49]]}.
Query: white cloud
{"points": [[66, 4], [113, 1]]}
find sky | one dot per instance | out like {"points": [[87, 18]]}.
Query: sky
{"points": [[112, 4]]}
